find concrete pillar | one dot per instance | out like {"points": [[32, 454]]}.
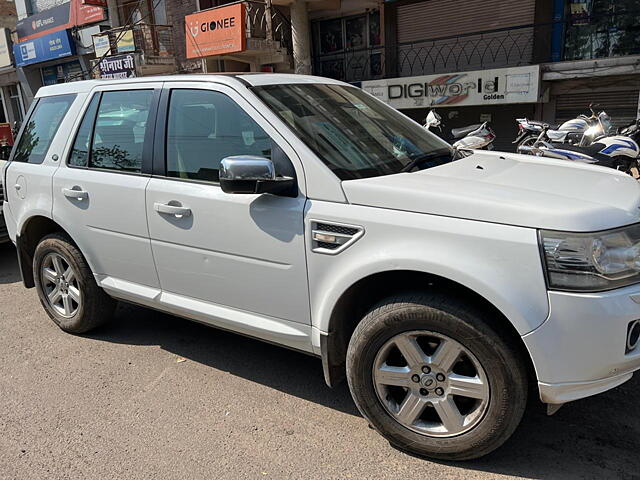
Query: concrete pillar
{"points": [[114, 18], [300, 37]]}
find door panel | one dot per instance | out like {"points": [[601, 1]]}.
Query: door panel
{"points": [[36, 157], [241, 251], [99, 196]]}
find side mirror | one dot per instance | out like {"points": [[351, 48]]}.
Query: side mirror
{"points": [[246, 174]]}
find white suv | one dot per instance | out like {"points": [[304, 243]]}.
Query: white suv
{"points": [[299, 210]]}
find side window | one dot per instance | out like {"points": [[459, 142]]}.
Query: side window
{"points": [[203, 128], [41, 127], [80, 153], [120, 129]]}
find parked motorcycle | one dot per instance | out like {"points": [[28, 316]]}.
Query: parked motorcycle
{"points": [[571, 132], [617, 151], [473, 137]]}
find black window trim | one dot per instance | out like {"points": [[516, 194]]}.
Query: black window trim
{"points": [[147, 145], [27, 118], [162, 126]]}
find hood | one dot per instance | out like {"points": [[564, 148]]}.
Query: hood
{"points": [[512, 189]]}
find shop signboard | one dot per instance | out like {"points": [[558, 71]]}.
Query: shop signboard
{"points": [[48, 47], [216, 32], [483, 87], [5, 48], [101, 46], [119, 66], [58, 18], [125, 42]]}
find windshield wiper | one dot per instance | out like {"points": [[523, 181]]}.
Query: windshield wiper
{"points": [[424, 157]]}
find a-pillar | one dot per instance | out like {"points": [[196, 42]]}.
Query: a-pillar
{"points": [[300, 37]]}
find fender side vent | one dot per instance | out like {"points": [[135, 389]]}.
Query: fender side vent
{"points": [[327, 227], [332, 238]]}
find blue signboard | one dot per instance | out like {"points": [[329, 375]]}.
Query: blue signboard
{"points": [[48, 47]]}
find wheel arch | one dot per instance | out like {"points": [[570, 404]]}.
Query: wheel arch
{"points": [[29, 235], [362, 295]]}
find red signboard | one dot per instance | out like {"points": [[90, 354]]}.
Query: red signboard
{"points": [[216, 32], [58, 18], [6, 135]]}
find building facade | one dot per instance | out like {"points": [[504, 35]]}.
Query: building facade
{"points": [[12, 106], [475, 61]]}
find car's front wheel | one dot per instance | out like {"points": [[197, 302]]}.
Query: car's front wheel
{"points": [[435, 379], [66, 287]]}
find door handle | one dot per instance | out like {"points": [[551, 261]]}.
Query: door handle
{"points": [[17, 186], [77, 194], [179, 212]]}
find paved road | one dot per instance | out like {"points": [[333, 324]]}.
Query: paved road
{"points": [[119, 404]]}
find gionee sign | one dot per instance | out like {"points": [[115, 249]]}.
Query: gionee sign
{"points": [[216, 32]]}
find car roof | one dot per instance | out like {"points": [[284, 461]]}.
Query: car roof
{"points": [[231, 79]]}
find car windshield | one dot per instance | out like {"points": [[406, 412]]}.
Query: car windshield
{"points": [[354, 134]]}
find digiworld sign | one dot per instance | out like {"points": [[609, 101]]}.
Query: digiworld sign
{"points": [[47, 47], [484, 87]]}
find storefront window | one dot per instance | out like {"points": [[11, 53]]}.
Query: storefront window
{"points": [[330, 36], [15, 101], [602, 28], [344, 47], [355, 30], [64, 72]]}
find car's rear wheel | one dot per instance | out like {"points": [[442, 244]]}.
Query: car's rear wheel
{"points": [[66, 287], [435, 379]]}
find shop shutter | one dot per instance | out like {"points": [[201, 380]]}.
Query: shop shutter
{"points": [[621, 105], [433, 19], [442, 18]]}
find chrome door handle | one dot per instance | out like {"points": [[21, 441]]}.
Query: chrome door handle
{"points": [[77, 194], [179, 212]]}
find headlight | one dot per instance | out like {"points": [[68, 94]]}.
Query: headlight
{"points": [[592, 262]]}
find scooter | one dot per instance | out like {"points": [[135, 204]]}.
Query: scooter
{"points": [[476, 137]]}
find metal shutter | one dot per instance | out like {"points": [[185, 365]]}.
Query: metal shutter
{"points": [[433, 19], [442, 18], [621, 105]]}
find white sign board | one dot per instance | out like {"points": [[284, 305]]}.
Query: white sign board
{"points": [[483, 87], [101, 46], [5, 48]]}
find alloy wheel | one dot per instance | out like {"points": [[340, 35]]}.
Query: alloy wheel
{"points": [[431, 384], [60, 285]]}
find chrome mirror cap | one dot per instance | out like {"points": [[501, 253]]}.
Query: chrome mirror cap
{"points": [[247, 168]]}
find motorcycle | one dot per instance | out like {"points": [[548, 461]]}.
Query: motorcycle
{"points": [[617, 151], [472, 137], [571, 132]]}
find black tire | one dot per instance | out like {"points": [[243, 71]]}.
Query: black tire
{"points": [[96, 307], [504, 367]]}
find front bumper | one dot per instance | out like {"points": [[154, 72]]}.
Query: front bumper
{"points": [[579, 350]]}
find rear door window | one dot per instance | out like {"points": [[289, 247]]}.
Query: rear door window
{"points": [[41, 127], [119, 131]]}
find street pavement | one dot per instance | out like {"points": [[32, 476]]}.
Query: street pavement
{"points": [[154, 396]]}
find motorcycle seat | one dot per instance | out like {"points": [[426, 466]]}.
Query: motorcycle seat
{"points": [[463, 131], [592, 150]]}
